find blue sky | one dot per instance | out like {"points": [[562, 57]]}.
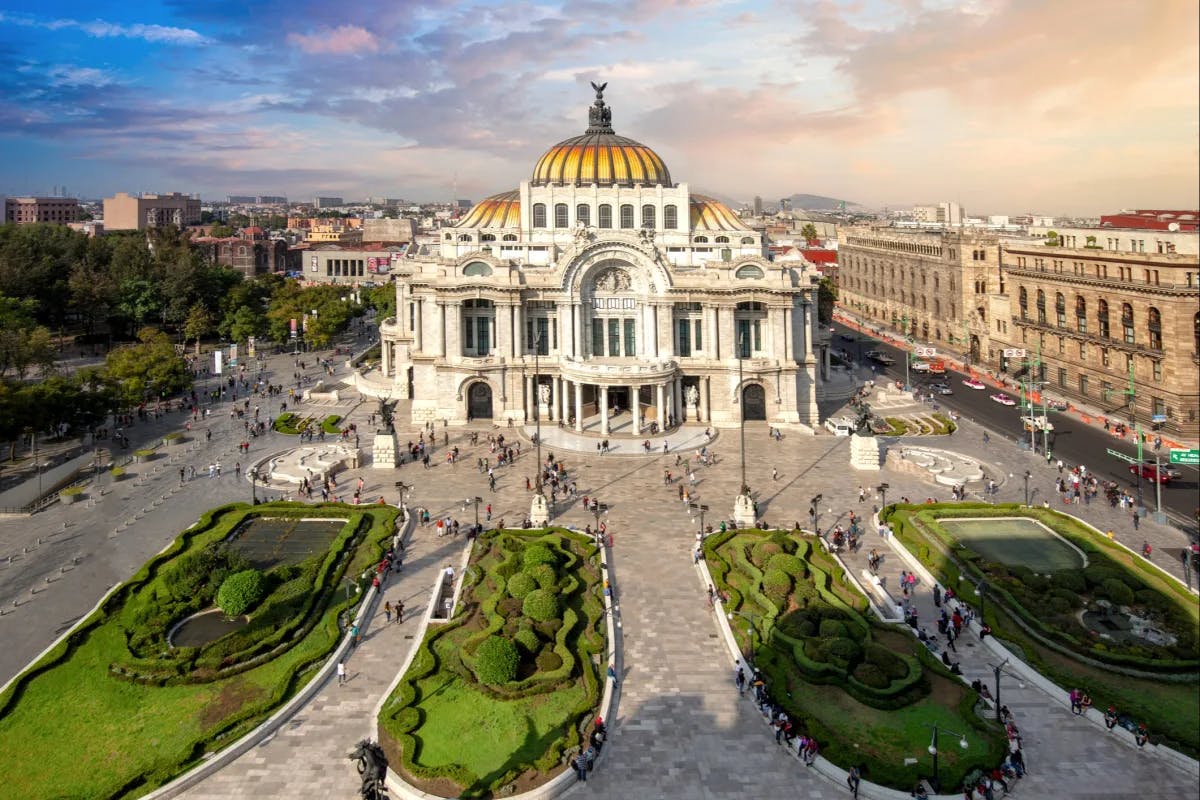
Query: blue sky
{"points": [[1058, 106]]}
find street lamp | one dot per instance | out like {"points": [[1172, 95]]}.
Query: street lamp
{"points": [[403, 488], [742, 412], [1027, 476], [814, 512], [933, 750], [477, 501], [750, 628], [996, 670], [597, 510], [700, 507], [883, 487], [253, 473]]}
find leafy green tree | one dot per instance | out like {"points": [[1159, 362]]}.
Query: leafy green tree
{"points": [[139, 301], [809, 232], [244, 323], [382, 299], [222, 231], [198, 324], [24, 343], [241, 592], [147, 370], [826, 297]]}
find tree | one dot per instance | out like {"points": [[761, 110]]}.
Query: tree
{"points": [[139, 301], [826, 297], [23, 343], [150, 369], [809, 232], [382, 299], [244, 323], [199, 322], [222, 231]]}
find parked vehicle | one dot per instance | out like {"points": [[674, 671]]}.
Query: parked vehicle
{"points": [[920, 366], [884, 359], [940, 388], [1150, 473], [840, 427], [1036, 424]]}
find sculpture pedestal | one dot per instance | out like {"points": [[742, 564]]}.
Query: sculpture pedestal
{"points": [[543, 411], [692, 412], [384, 455], [539, 511], [864, 452], [743, 511]]}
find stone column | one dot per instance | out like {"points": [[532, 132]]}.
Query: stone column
{"points": [[518, 333], [418, 323], [660, 406], [386, 349], [578, 407], [712, 334], [677, 401], [554, 393], [530, 399], [704, 382], [635, 408], [806, 322], [439, 334], [577, 348], [604, 411], [665, 332]]}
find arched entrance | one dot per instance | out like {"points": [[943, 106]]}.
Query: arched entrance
{"points": [[479, 401], [754, 402], [974, 349]]}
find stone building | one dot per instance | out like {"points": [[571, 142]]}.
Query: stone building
{"points": [[1094, 315], [123, 212], [30, 210], [934, 286], [603, 295]]}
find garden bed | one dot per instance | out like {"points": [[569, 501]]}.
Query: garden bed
{"points": [[115, 711], [870, 694], [1043, 612], [497, 698]]}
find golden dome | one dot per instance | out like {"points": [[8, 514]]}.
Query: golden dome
{"points": [[498, 211], [600, 156], [708, 214]]}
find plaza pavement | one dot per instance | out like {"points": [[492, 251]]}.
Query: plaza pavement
{"points": [[679, 730]]}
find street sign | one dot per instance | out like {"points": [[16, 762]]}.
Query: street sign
{"points": [[1188, 457], [1122, 456], [1014, 352], [925, 352]]}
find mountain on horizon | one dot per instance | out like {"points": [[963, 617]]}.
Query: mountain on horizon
{"points": [[795, 201]]}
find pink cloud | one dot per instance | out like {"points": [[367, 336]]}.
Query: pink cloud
{"points": [[342, 40]]}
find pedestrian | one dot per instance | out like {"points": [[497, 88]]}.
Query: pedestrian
{"points": [[739, 680], [387, 611], [853, 777], [937, 596], [774, 474], [181, 473], [1137, 520], [355, 634], [862, 494], [341, 672], [399, 611], [612, 674], [581, 766]]}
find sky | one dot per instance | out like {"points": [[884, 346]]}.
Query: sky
{"points": [[1075, 107]]}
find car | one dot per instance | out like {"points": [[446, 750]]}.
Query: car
{"points": [[884, 359], [872, 354], [849, 337], [920, 366], [840, 427], [1150, 473], [1003, 399], [1057, 405], [973, 383], [940, 388]]}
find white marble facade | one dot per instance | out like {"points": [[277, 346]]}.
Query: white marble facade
{"points": [[588, 290]]}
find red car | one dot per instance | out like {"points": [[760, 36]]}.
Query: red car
{"points": [[1151, 473]]}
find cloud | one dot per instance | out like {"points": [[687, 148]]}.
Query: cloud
{"points": [[70, 75], [100, 29], [342, 40]]}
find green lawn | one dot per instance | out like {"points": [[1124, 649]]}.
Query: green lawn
{"points": [[71, 728]]}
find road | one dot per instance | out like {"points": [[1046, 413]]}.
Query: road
{"points": [[1071, 440]]}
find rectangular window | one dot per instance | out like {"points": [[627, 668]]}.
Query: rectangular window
{"points": [[757, 336], [1083, 351], [597, 337], [670, 218], [614, 337], [1062, 377], [1083, 385], [630, 339], [1105, 390], [470, 338], [542, 340], [1156, 370], [1062, 346], [485, 336], [605, 216], [1158, 407], [743, 338], [685, 340], [528, 343], [696, 337]]}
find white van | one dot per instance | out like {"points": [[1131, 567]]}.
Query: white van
{"points": [[840, 427]]}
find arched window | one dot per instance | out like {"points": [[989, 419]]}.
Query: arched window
{"points": [[477, 269], [747, 240], [583, 214], [626, 215], [464, 237], [1154, 326], [510, 237], [748, 272], [604, 217], [1127, 323], [722, 240], [1060, 309], [1102, 318], [1041, 307], [937, 306], [539, 215], [936, 283], [488, 237], [925, 330], [701, 240], [449, 237], [560, 215], [670, 217], [1023, 302], [648, 217], [1080, 313]]}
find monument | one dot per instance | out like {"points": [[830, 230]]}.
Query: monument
{"points": [[692, 398], [385, 450], [539, 511], [864, 447]]}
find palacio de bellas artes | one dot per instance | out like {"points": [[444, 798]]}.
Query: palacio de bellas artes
{"points": [[605, 297]]}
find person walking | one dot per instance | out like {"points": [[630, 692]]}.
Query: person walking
{"points": [[581, 766], [739, 680], [341, 672], [387, 611], [399, 611], [853, 778], [612, 674], [774, 474], [1137, 520]]}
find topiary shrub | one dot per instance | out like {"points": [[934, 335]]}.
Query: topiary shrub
{"points": [[761, 553], [527, 640], [832, 629], [871, 675], [543, 574], [509, 607], [548, 661], [1117, 591], [844, 651], [777, 585], [241, 592], [540, 605], [539, 554], [1097, 574], [790, 564], [496, 661], [521, 584], [1070, 580]]}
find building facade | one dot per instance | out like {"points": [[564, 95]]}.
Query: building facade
{"points": [[350, 265], [933, 286], [124, 212], [603, 295], [28, 210], [249, 256], [1094, 318]]}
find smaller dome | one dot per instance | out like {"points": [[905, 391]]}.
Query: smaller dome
{"points": [[498, 211], [709, 214]]}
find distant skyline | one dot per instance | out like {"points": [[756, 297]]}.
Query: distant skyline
{"points": [[1073, 107]]}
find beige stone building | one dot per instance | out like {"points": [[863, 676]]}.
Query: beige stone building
{"points": [[1094, 315], [934, 286], [29, 210], [604, 295], [124, 212]]}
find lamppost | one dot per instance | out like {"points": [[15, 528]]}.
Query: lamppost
{"points": [[597, 510], [403, 488], [933, 750], [1027, 476], [539, 513], [883, 487], [700, 507], [996, 670], [253, 473], [742, 413], [814, 512], [750, 628], [477, 501]]}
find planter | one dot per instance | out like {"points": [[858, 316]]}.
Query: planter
{"points": [[142, 456], [118, 473], [172, 439], [71, 495]]}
